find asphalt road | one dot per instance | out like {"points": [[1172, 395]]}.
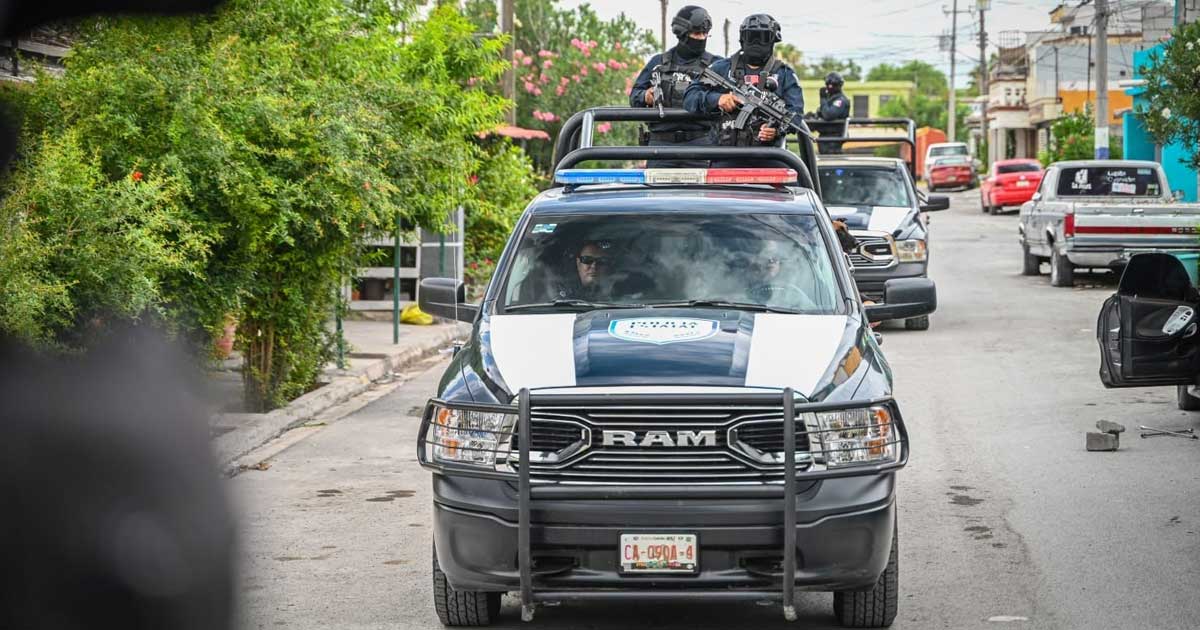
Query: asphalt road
{"points": [[1006, 521]]}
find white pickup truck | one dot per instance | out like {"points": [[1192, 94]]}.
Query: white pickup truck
{"points": [[1099, 213]]}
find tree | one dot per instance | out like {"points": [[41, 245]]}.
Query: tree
{"points": [[1173, 91], [568, 60], [850, 70], [928, 80], [240, 159], [1074, 138], [792, 56]]}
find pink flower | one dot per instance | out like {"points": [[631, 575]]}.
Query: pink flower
{"points": [[617, 45], [472, 80], [600, 67], [537, 91], [560, 90], [530, 87], [583, 72], [592, 44], [528, 61], [564, 81], [518, 53], [575, 78], [575, 42], [547, 63], [604, 127], [543, 80], [614, 64], [545, 53]]}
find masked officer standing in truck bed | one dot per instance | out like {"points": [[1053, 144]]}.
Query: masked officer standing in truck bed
{"points": [[756, 65], [667, 76], [835, 107]]}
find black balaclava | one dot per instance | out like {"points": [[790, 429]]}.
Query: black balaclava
{"points": [[758, 53], [691, 19]]}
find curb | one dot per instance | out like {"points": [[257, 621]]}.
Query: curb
{"points": [[254, 430]]}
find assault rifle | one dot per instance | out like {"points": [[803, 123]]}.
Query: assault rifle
{"points": [[759, 104], [656, 90]]}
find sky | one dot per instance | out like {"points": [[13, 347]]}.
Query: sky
{"points": [[868, 31]]}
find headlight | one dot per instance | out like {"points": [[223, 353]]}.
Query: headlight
{"points": [[855, 436], [911, 251], [475, 438]]}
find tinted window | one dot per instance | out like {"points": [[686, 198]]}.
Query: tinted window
{"points": [[1029, 167], [951, 161], [776, 260], [1106, 181], [841, 186]]}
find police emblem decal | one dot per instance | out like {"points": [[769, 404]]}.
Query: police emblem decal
{"points": [[663, 330]]}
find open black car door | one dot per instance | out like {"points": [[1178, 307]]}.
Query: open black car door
{"points": [[1148, 329]]}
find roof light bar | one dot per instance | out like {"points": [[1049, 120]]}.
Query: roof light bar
{"points": [[579, 177]]}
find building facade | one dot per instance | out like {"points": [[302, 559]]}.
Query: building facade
{"points": [[866, 97]]}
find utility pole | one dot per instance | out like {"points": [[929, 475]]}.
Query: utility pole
{"points": [[983, 79], [509, 87], [951, 118], [1101, 79], [664, 25], [726, 37]]}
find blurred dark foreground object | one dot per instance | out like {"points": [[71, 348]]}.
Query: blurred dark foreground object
{"points": [[114, 513]]}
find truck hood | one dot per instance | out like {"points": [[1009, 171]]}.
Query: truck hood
{"points": [[872, 218], [666, 347]]}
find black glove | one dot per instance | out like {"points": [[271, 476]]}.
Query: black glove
{"points": [[824, 92]]}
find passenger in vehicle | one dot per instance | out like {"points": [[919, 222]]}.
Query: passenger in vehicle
{"points": [[592, 265]]}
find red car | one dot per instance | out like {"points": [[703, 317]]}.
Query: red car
{"points": [[950, 172], [1010, 183]]}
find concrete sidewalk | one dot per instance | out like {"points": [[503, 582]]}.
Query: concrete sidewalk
{"points": [[371, 356]]}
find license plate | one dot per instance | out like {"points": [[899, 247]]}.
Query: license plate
{"points": [[1022, 184], [659, 553]]}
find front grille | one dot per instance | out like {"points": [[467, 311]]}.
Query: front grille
{"points": [[552, 436], [672, 444], [874, 251]]}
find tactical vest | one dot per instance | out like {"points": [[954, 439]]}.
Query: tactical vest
{"points": [[676, 75], [748, 137]]}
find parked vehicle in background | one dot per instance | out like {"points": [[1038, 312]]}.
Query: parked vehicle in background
{"points": [[1147, 329], [950, 172], [1010, 183], [1099, 213], [935, 152]]}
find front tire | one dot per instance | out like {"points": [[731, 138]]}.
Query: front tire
{"points": [[1030, 265], [1187, 402], [462, 609], [917, 323], [1062, 273], [877, 607]]}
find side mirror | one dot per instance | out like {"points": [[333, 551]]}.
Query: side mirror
{"points": [[1158, 276], [446, 298], [1037, 196], [904, 298], [935, 203]]}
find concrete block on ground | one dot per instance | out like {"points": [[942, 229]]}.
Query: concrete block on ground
{"points": [[1103, 441]]}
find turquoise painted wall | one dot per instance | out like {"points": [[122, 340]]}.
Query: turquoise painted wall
{"points": [[1140, 146]]}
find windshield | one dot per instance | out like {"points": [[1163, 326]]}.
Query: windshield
{"points": [[954, 149], [842, 186], [1023, 167], [1108, 181], [769, 260]]}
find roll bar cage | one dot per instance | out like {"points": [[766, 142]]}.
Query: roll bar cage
{"points": [[909, 139], [577, 135]]}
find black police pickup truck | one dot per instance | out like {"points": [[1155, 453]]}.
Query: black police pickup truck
{"points": [[670, 391]]}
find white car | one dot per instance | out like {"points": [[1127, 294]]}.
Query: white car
{"points": [[948, 149]]}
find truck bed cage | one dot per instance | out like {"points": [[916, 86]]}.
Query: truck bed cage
{"points": [[577, 133], [909, 139]]}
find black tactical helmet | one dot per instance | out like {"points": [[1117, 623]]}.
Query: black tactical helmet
{"points": [[761, 22], [691, 19], [835, 79]]}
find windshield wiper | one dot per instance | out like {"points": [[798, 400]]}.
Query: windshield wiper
{"points": [[571, 303], [742, 306]]}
